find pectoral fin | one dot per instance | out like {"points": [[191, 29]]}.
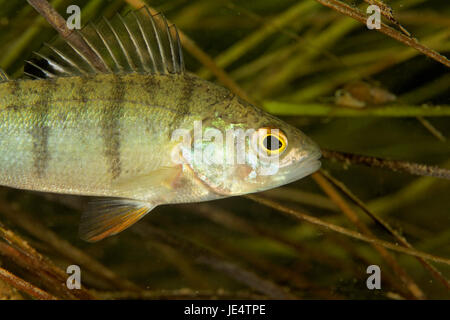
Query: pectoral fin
{"points": [[107, 217], [155, 182]]}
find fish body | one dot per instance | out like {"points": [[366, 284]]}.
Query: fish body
{"points": [[134, 138], [80, 134]]}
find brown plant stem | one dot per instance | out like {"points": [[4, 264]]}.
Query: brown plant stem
{"points": [[394, 165], [27, 255], [216, 262], [344, 231], [24, 286], [71, 36], [353, 217], [38, 230], [436, 273], [387, 12], [407, 40], [46, 278], [225, 218]]}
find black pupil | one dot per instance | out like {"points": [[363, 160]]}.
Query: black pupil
{"points": [[272, 143]]}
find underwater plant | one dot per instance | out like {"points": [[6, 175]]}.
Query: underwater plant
{"points": [[375, 100]]}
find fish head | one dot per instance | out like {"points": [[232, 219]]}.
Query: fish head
{"points": [[243, 150]]}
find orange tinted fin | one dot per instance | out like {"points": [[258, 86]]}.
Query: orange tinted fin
{"points": [[108, 217]]}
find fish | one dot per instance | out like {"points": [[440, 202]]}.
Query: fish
{"points": [[122, 120], [360, 94]]}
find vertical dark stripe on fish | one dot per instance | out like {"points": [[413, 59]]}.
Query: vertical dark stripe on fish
{"points": [[13, 90], [40, 131], [111, 127], [83, 91], [186, 95], [182, 103]]}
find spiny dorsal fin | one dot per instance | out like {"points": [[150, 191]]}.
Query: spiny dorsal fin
{"points": [[138, 42]]}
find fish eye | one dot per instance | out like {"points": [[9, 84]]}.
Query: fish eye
{"points": [[272, 141]]}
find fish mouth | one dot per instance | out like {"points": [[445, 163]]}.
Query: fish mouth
{"points": [[304, 168], [312, 164], [308, 165]]}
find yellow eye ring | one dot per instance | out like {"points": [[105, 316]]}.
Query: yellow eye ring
{"points": [[272, 141]]}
